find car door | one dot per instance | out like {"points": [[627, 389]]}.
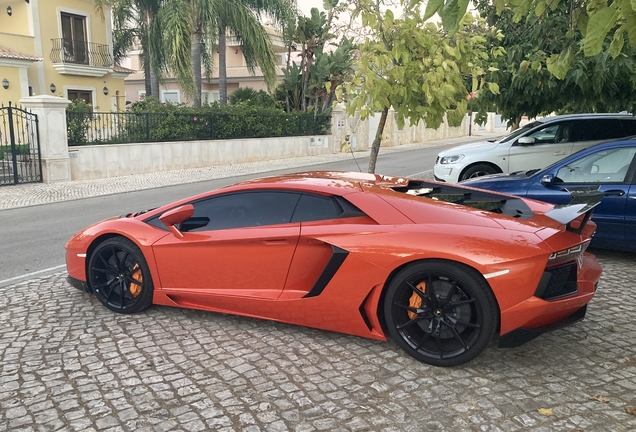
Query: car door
{"points": [[609, 169], [238, 244], [551, 143]]}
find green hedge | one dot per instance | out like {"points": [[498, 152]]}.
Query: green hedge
{"points": [[5, 151], [152, 121]]}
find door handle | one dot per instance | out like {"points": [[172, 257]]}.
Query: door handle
{"points": [[632, 197], [614, 192], [559, 154]]}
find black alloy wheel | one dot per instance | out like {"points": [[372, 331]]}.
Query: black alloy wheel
{"points": [[119, 276], [441, 312]]}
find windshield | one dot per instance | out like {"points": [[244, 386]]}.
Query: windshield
{"points": [[520, 131]]}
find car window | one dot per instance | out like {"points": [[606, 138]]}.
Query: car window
{"points": [[314, 207], [606, 166], [599, 129], [311, 207], [240, 210], [629, 126], [520, 131], [554, 133]]}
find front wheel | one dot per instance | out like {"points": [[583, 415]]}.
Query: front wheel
{"points": [[440, 312], [478, 171], [120, 277]]}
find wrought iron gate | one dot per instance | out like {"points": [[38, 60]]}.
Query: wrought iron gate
{"points": [[20, 159]]}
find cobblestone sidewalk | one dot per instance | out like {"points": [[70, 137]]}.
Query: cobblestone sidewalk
{"points": [[67, 363]]}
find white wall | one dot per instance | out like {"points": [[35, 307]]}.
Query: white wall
{"points": [[112, 160]]}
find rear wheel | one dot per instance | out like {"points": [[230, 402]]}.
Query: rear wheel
{"points": [[478, 171], [120, 277], [440, 312]]}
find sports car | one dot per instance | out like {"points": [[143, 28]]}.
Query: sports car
{"points": [[438, 268]]}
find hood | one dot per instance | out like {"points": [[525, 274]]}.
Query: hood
{"points": [[476, 147]]}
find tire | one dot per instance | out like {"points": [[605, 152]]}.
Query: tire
{"points": [[120, 277], [440, 312], [478, 171]]}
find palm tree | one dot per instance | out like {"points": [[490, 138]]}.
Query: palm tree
{"points": [[133, 21], [189, 26], [242, 23]]}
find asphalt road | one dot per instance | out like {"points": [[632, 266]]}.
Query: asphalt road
{"points": [[32, 238]]}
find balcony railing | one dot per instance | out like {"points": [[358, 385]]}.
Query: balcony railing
{"points": [[80, 53]]}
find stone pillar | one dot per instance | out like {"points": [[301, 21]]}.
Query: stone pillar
{"points": [[51, 112]]}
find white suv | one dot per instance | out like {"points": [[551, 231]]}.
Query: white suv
{"points": [[536, 145]]}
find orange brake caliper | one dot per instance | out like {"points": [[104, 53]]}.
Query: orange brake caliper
{"points": [[135, 288], [416, 301]]}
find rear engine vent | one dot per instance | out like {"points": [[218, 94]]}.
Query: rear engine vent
{"points": [[479, 199], [558, 282]]}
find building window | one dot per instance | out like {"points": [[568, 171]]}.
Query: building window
{"points": [[171, 96], [74, 38], [85, 95], [210, 96]]}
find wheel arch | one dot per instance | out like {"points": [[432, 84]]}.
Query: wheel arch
{"points": [[99, 240], [397, 270], [490, 164]]}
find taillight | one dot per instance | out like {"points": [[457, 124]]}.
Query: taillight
{"points": [[569, 254]]}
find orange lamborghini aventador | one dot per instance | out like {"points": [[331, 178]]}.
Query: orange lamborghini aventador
{"points": [[438, 268]]}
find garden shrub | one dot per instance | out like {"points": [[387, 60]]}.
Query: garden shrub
{"points": [[78, 114], [151, 120]]}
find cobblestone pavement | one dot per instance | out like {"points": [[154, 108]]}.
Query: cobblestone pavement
{"points": [[23, 195], [67, 363]]}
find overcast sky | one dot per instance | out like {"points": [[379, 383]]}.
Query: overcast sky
{"points": [[306, 5]]}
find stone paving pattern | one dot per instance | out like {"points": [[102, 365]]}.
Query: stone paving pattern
{"points": [[67, 363]]}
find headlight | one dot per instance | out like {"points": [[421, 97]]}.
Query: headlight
{"points": [[450, 159]]}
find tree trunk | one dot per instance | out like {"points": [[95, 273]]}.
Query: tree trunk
{"points": [[154, 83], [147, 73], [222, 67], [375, 147], [515, 125], [287, 105], [195, 50], [150, 77]]}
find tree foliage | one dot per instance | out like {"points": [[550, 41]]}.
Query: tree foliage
{"points": [[132, 22], [532, 78], [417, 68], [604, 25], [190, 28], [250, 97], [326, 61]]}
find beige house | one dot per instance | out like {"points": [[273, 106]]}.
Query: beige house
{"points": [[237, 74], [59, 48]]}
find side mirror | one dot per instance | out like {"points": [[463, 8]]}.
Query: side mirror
{"points": [[547, 179], [176, 216], [526, 141]]}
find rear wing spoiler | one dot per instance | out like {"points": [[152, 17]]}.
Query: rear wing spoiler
{"points": [[584, 199]]}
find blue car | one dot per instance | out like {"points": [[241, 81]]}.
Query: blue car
{"points": [[611, 166]]}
